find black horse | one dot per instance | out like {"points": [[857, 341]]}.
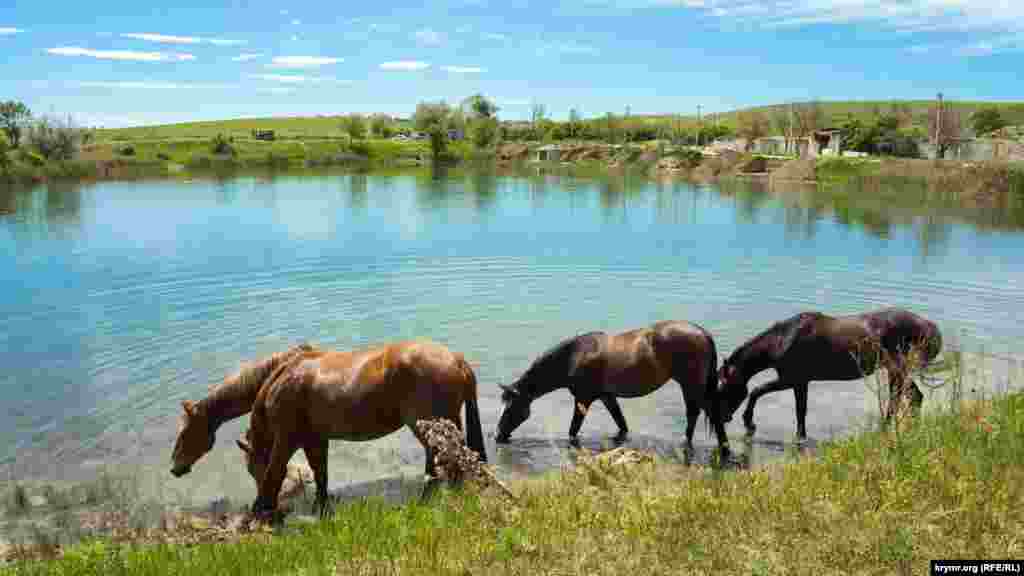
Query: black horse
{"points": [[814, 346], [599, 366]]}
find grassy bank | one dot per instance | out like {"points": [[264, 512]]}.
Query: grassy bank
{"points": [[950, 486]]}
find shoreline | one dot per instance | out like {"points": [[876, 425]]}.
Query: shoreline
{"points": [[156, 159]]}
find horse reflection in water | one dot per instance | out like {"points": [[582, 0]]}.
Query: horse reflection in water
{"points": [[600, 366]]}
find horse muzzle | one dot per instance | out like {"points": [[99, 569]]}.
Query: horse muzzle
{"points": [[179, 471], [501, 438]]}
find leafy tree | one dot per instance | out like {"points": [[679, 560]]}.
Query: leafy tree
{"points": [[381, 126], [5, 161], [480, 107], [987, 120], [54, 139], [537, 114], [574, 126], [13, 116], [483, 132], [354, 126], [433, 118]]}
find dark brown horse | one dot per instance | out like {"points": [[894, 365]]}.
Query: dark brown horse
{"points": [[813, 346], [356, 396], [230, 399], [599, 366]]}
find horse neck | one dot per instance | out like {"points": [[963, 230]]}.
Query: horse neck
{"points": [[757, 357], [230, 400], [542, 386]]}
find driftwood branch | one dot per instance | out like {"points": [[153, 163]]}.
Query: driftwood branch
{"points": [[453, 459]]}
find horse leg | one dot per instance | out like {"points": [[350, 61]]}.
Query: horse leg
{"points": [[612, 404], [316, 454], [693, 406], [579, 412], [273, 476], [768, 387], [429, 468], [800, 392]]}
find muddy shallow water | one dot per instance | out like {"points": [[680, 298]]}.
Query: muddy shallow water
{"points": [[122, 299]]}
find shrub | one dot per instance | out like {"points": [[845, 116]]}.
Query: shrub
{"points": [[54, 139], [222, 146], [127, 151]]}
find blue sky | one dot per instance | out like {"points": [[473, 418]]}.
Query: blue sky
{"points": [[129, 62]]}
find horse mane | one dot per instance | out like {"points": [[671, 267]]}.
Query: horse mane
{"points": [[235, 395], [786, 332], [552, 354]]}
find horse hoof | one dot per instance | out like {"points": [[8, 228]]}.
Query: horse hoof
{"points": [[574, 442], [620, 439]]}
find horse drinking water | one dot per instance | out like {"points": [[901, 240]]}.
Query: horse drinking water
{"points": [[357, 396], [814, 346], [230, 399], [599, 366]]}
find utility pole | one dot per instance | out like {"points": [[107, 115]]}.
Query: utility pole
{"points": [[790, 126], [700, 125], [938, 121]]}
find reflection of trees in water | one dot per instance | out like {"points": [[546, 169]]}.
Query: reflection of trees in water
{"points": [[750, 195], [483, 186], [616, 192], [933, 234], [358, 192], [225, 191]]}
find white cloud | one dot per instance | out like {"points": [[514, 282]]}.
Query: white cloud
{"points": [[295, 37], [496, 37], [566, 48], [145, 85], [284, 12], [302, 61], [297, 79], [121, 54], [168, 39], [407, 65], [9, 31], [225, 42], [463, 69], [428, 37], [246, 57], [960, 16], [163, 38], [296, 22]]}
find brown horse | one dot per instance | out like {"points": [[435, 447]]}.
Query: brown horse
{"points": [[356, 396], [599, 366], [230, 399], [813, 346]]}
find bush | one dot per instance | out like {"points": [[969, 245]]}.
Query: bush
{"points": [[222, 146], [32, 158], [127, 151], [54, 139], [5, 160]]}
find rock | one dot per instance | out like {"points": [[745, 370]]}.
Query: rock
{"points": [[37, 501]]}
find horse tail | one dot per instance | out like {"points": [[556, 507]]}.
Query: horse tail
{"points": [[712, 407], [474, 430]]}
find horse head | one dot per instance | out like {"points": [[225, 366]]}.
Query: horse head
{"points": [[732, 389], [195, 438], [517, 410]]}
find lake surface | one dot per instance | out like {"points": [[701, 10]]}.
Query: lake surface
{"points": [[121, 299]]}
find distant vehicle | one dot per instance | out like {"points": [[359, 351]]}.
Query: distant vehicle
{"points": [[263, 134], [400, 138]]}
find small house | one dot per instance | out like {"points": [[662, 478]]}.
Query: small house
{"points": [[263, 134], [548, 153]]}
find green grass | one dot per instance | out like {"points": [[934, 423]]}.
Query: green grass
{"points": [[949, 486]]}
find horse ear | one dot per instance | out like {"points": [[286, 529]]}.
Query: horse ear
{"points": [[244, 445], [189, 407]]}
